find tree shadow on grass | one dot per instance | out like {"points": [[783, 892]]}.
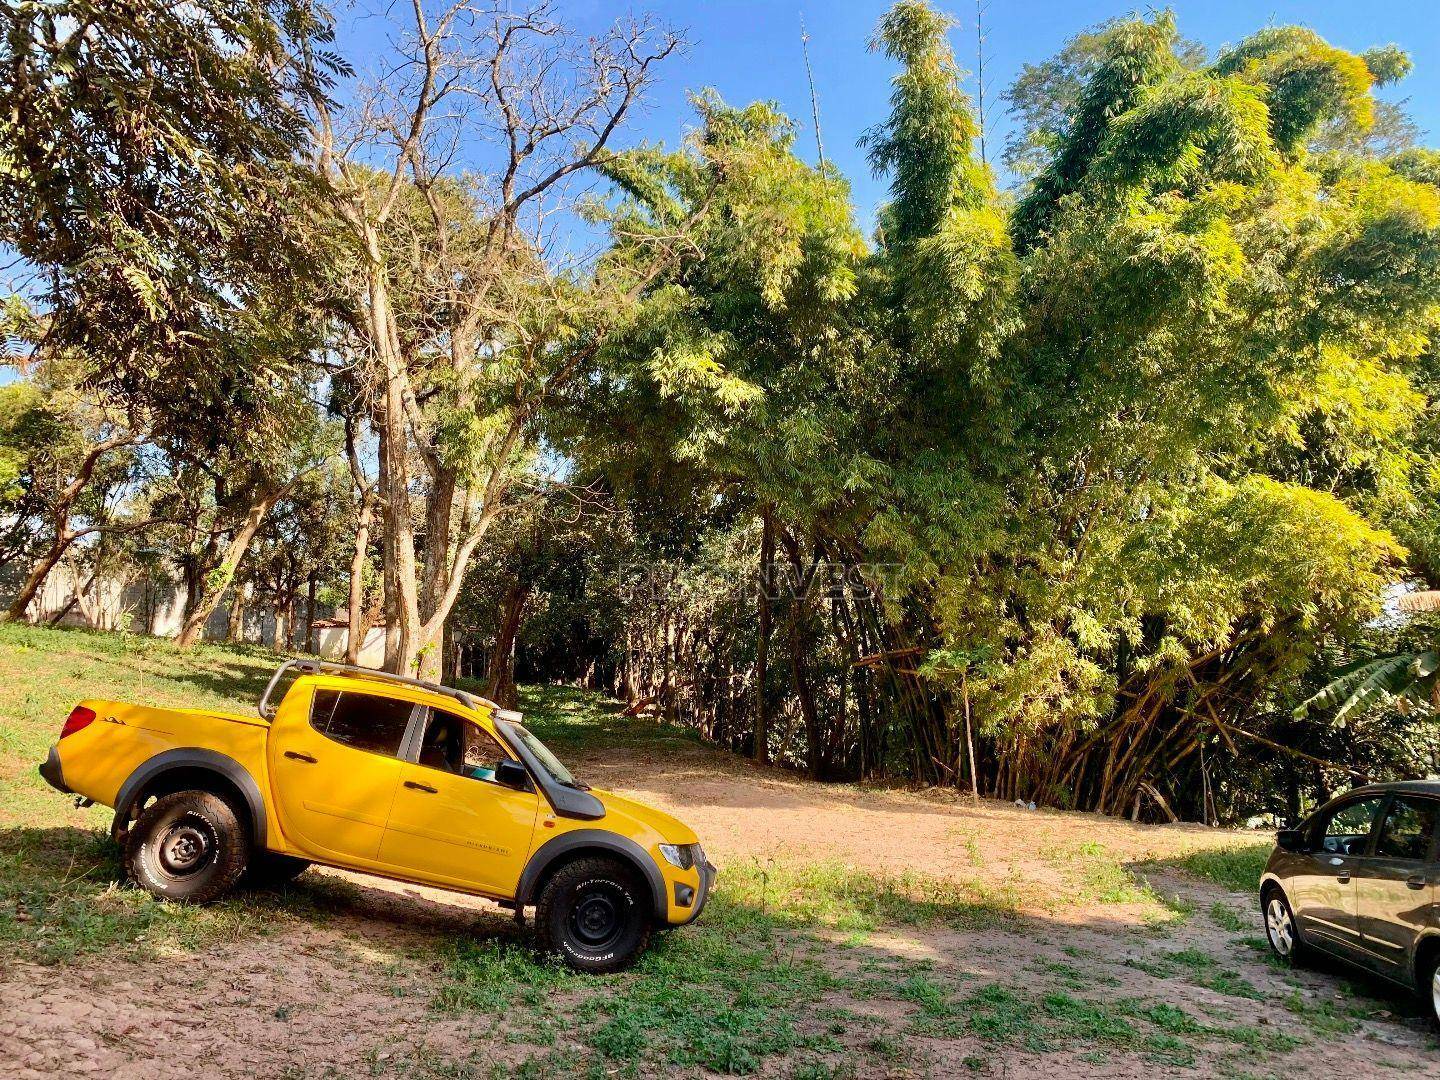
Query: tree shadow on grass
{"points": [[65, 896]]}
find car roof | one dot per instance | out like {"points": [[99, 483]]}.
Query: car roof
{"points": [[1411, 787]]}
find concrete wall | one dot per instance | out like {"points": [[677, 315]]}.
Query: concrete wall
{"points": [[157, 607], [142, 605]]}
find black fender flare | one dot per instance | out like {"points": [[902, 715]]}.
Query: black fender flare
{"points": [[195, 757], [1425, 945], [569, 843]]}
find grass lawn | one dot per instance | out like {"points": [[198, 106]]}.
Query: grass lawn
{"points": [[1236, 868]]}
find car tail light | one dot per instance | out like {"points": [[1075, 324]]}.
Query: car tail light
{"points": [[79, 717]]}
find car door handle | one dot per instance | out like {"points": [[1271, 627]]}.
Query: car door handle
{"points": [[295, 755], [1415, 881], [419, 786]]}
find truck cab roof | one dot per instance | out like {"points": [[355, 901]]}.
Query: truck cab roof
{"points": [[268, 705]]}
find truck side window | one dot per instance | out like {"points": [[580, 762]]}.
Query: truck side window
{"points": [[364, 721], [1408, 828], [458, 746]]}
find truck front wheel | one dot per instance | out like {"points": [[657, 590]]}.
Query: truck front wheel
{"points": [[187, 846], [594, 915]]}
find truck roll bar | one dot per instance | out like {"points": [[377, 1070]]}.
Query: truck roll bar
{"points": [[267, 709]]}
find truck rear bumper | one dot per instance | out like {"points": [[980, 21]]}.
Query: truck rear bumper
{"points": [[52, 773]]}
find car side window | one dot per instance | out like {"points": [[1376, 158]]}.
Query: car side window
{"points": [[1348, 829], [365, 721], [456, 745], [1408, 829]]}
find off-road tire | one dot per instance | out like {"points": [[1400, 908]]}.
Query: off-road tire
{"points": [[270, 870], [1298, 953], [595, 914], [190, 846]]}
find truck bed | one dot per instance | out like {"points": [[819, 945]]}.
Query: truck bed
{"points": [[96, 759]]}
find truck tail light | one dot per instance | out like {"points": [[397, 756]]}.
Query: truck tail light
{"points": [[80, 717]]}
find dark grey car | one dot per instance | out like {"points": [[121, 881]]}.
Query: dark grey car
{"points": [[1359, 879]]}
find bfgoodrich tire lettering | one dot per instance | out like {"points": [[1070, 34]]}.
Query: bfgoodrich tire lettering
{"points": [[594, 913], [189, 846]]}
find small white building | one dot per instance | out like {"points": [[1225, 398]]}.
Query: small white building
{"points": [[333, 635]]}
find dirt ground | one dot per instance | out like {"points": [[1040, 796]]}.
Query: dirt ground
{"points": [[350, 996]]}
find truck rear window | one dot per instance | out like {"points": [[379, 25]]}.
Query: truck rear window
{"points": [[364, 721]]}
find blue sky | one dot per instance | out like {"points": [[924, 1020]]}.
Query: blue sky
{"points": [[750, 49]]}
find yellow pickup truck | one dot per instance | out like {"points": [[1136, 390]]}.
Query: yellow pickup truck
{"points": [[390, 776]]}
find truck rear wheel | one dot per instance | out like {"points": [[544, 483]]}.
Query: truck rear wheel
{"points": [[188, 846], [593, 913]]}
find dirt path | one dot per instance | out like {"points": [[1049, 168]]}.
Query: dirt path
{"points": [[745, 811], [352, 993]]}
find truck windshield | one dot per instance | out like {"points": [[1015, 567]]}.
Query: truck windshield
{"points": [[549, 761]]}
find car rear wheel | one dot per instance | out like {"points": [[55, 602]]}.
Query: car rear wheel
{"points": [[1428, 984], [188, 846], [593, 913], [1280, 929]]}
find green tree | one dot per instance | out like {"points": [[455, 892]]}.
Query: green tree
{"points": [[462, 329], [147, 177], [737, 367], [1131, 451], [1189, 357], [62, 450], [299, 551]]}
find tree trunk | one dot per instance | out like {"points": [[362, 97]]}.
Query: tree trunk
{"points": [[236, 631], [310, 586], [390, 590], [398, 526], [762, 644], [500, 675], [970, 740], [368, 619], [357, 628], [35, 581], [190, 571], [234, 552], [281, 639], [78, 597], [800, 672]]}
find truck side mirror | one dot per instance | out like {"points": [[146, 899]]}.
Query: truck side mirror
{"points": [[512, 774], [1290, 840]]}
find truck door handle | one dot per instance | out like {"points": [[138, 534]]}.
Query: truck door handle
{"points": [[419, 786], [1343, 876], [295, 755], [1415, 881]]}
